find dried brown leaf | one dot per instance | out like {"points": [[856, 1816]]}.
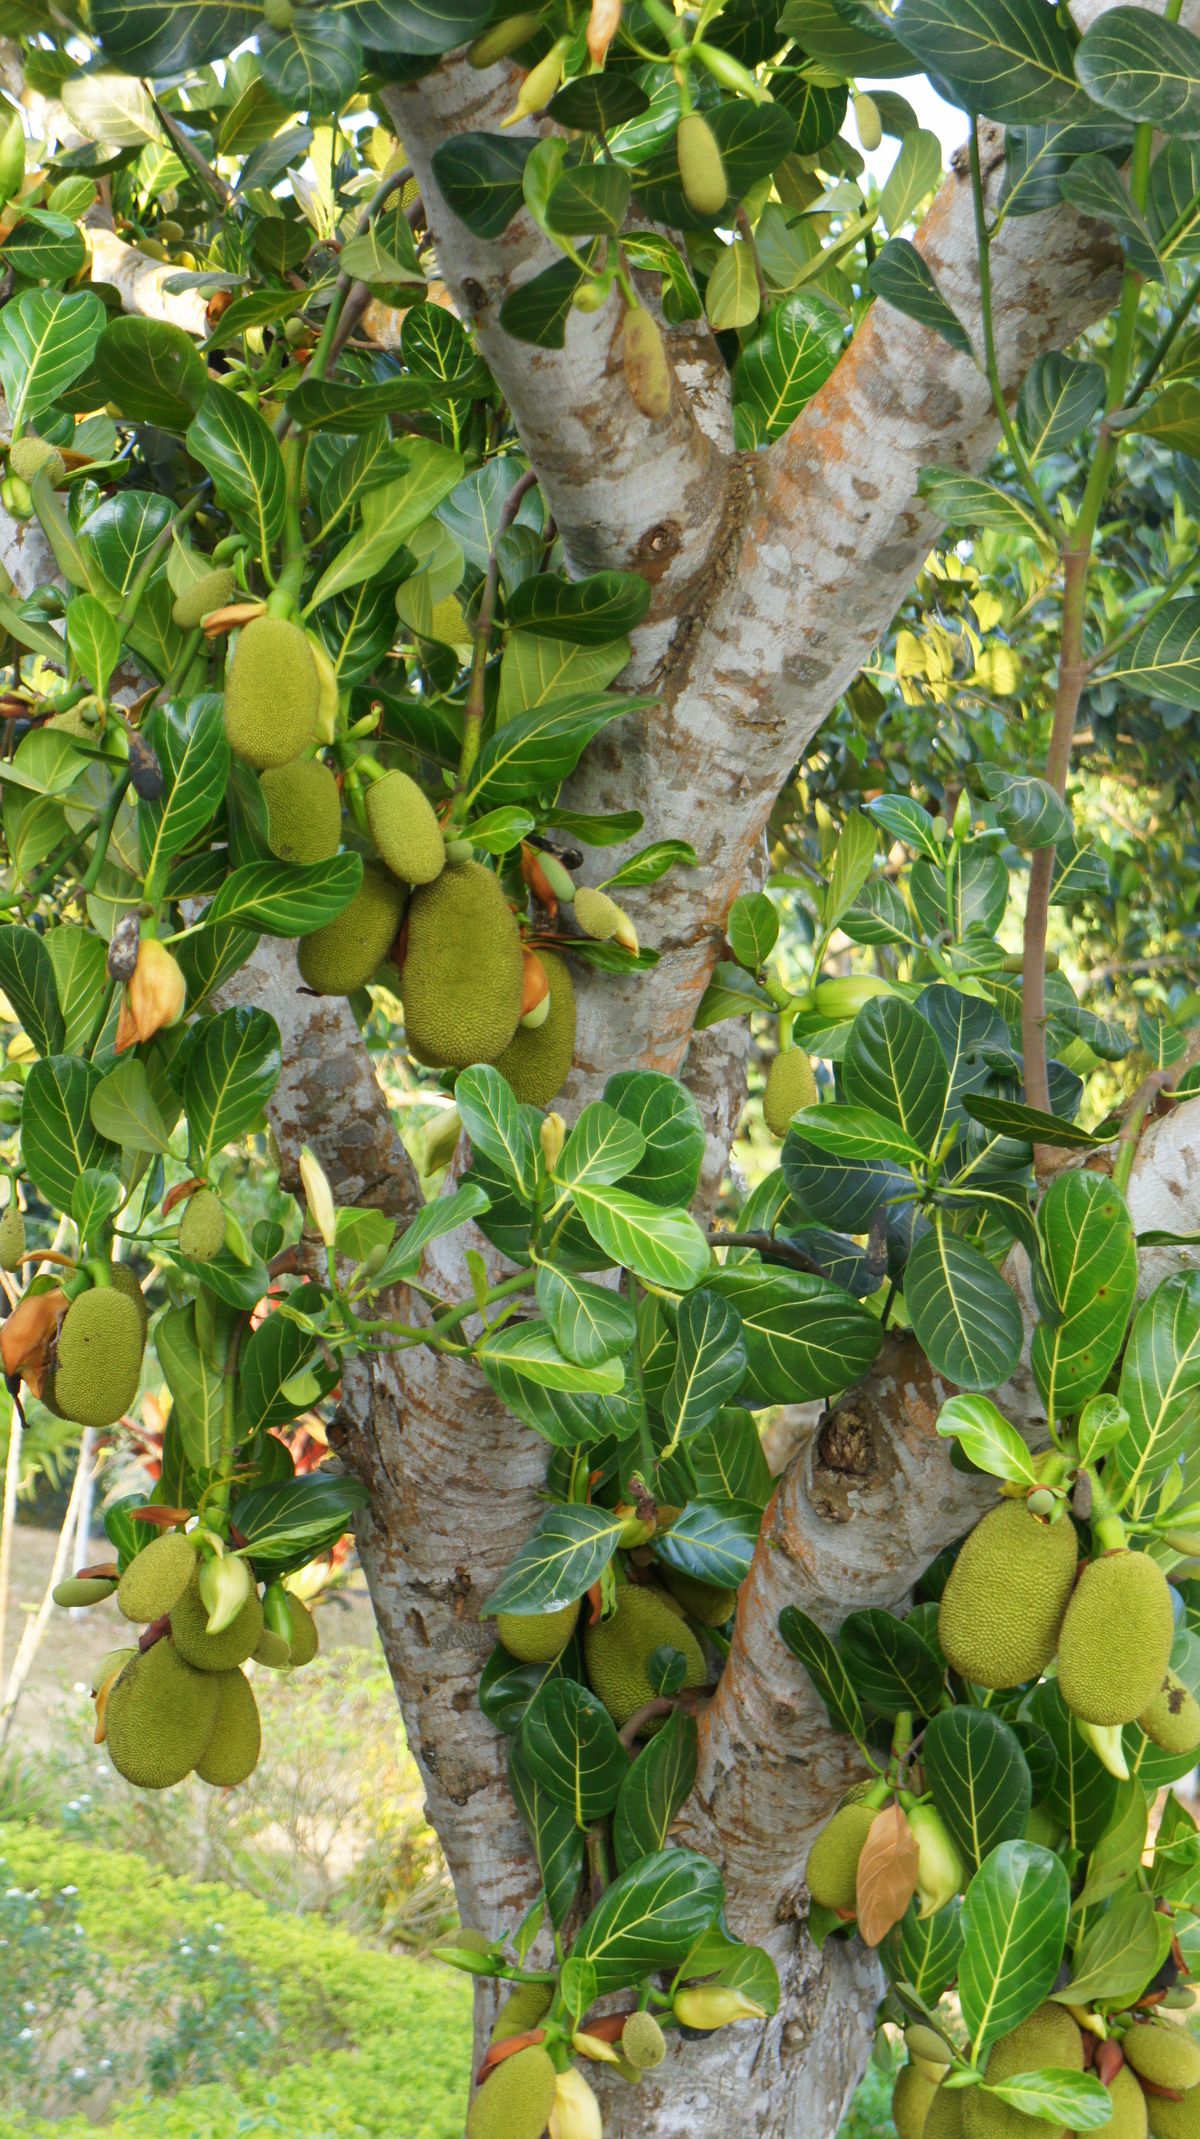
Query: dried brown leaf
{"points": [[887, 1874]]}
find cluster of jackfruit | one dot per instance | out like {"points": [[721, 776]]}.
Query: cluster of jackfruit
{"points": [[1156, 2090], [95, 1362], [618, 1649]]}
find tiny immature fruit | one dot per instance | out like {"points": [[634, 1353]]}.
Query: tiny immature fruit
{"points": [[202, 1226], [501, 38], [941, 1872], [701, 170], [537, 1637], [643, 2043], [646, 364], [78, 1590], [911, 2098], [211, 591], [304, 811], [790, 1086], [31, 457], [402, 824], [522, 2011], [516, 2098], [12, 1237], [1172, 1720]]}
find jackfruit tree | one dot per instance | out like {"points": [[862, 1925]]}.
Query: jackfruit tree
{"points": [[456, 459]]}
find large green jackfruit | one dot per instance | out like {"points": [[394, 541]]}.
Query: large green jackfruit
{"points": [[523, 2010], [211, 591], [341, 957], [1129, 2119], [1172, 1720], [1167, 2056], [790, 1085], [912, 2098], [537, 1063], [202, 1226], [1003, 1604], [236, 1738], [537, 1637], [125, 1280], [1115, 1642], [619, 1649], [1175, 2120], [516, 2099], [97, 1363], [156, 1577], [159, 1718], [214, 1652], [832, 1869], [401, 821], [463, 972], [945, 2115], [1049, 2038], [271, 694], [712, 1607], [304, 811]]}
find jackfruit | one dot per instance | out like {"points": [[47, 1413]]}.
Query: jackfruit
{"points": [[236, 1742], [304, 811], [645, 363], [97, 1362], [278, 14], [1129, 2119], [12, 1237], [211, 591], [945, 2115], [1172, 1720], [537, 1060], [1175, 2120], [463, 970], [537, 1637], [598, 915], [643, 2043], [337, 959], [271, 694], [202, 1226], [1116, 1638], [832, 1870], [305, 1639], [159, 1718], [712, 1607], [1003, 1604], [912, 2096], [701, 170], [403, 826], [524, 2009], [1165, 2055], [80, 1590], [214, 1652], [29, 456], [125, 1280], [273, 1652], [619, 1649], [156, 1577], [1048, 2038], [516, 2098], [790, 1086]]}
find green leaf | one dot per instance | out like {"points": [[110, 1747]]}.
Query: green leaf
{"points": [[1015, 1915], [654, 1790], [1028, 1125], [1122, 1950], [496, 1125], [1096, 189], [196, 1385], [480, 177], [598, 102], [804, 1337], [1053, 2094], [284, 900], [916, 171], [752, 929], [732, 298], [713, 1541], [320, 404], [94, 1198], [969, 502], [710, 1364], [1164, 657], [158, 37], [232, 1069], [59, 1140], [728, 1462], [731, 993], [662, 1247], [986, 1438], [1160, 1385], [124, 1109], [964, 1316], [390, 513], [853, 859], [602, 1148], [528, 1349], [825, 1667], [315, 65], [94, 639], [272, 1356], [557, 1842], [589, 1322], [444, 1214], [585, 612], [1117, 1855], [1089, 1263], [236, 446], [893, 1667], [46, 340], [1144, 68], [1059, 397], [980, 1779], [856, 1132], [152, 371], [924, 1952], [1173, 417], [288, 1524], [537, 750], [650, 1917], [78, 959], [189, 743], [906, 820], [589, 200], [1011, 60], [781, 369], [894, 1065], [27, 979], [112, 108], [668, 1119], [419, 28], [1080, 1793], [1030, 811], [900, 275], [571, 1747], [568, 1551], [538, 310]]}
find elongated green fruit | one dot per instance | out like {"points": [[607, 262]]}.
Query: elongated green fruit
{"points": [[341, 957], [1115, 1643], [156, 1577], [271, 694], [402, 824], [1003, 1605], [12, 1237], [832, 1870], [304, 811], [790, 1086], [701, 170], [211, 591], [1173, 1717]]}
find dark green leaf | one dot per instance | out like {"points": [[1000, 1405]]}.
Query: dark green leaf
{"points": [[46, 340], [152, 372], [1123, 1949], [713, 1541], [924, 1951], [1160, 1385], [27, 979], [1028, 1125], [650, 1917], [1089, 1265], [780, 370], [237, 447], [892, 1666], [496, 1125], [314, 66], [286, 901], [196, 1384], [189, 743], [1093, 186], [979, 1777], [902, 278], [965, 1318], [1144, 68], [537, 750], [159, 37], [655, 1788], [667, 1117], [1059, 397], [804, 1337], [571, 1747], [710, 1364], [288, 1524], [568, 1551], [232, 1069], [825, 1668], [558, 1844], [272, 1355], [585, 612], [59, 1140], [893, 1064], [1011, 60]]}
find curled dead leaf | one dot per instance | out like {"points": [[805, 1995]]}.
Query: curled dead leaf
{"points": [[28, 1334], [887, 1874], [181, 1189]]}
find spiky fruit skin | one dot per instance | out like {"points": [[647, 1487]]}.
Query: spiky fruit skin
{"points": [[12, 1238], [98, 1358], [516, 2099], [211, 591], [79, 1590], [236, 1738], [1172, 1720], [537, 1637], [463, 971], [523, 2010], [712, 1607], [1175, 2120], [159, 1718], [341, 957], [29, 456], [202, 1226], [1003, 1604], [911, 2099], [1166, 2056], [537, 1063], [1129, 2119], [832, 1870], [945, 2115], [598, 915], [304, 811], [214, 1652], [643, 2043], [402, 824], [619, 1649], [156, 1578], [125, 1280], [790, 1086], [271, 694], [701, 170], [1048, 2038], [273, 1652], [1115, 1642], [305, 1639]]}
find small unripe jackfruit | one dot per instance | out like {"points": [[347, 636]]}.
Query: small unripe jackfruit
{"points": [[619, 1649], [202, 1226], [305, 1641], [700, 1600], [1116, 1638], [912, 2096], [790, 1085], [1129, 2119], [1163, 2054], [97, 1360], [537, 1061], [701, 170], [271, 693], [156, 1577], [78, 1590], [645, 363], [463, 971], [1003, 1604], [341, 957], [1175, 2120], [211, 591], [598, 915], [273, 1652], [643, 2043], [214, 1652], [12, 1237], [159, 1718], [1172, 1720], [832, 1870], [1049, 2038], [516, 2099], [304, 811], [524, 2010], [537, 1637], [29, 456], [236, 1740], [402, 824]]}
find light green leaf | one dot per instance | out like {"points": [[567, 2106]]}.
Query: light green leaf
{"points": [[124, 1108], [1015, 1915], [390, 513], [1089, 1263], [986, 1438], [662, 1247], [46, 341]]}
